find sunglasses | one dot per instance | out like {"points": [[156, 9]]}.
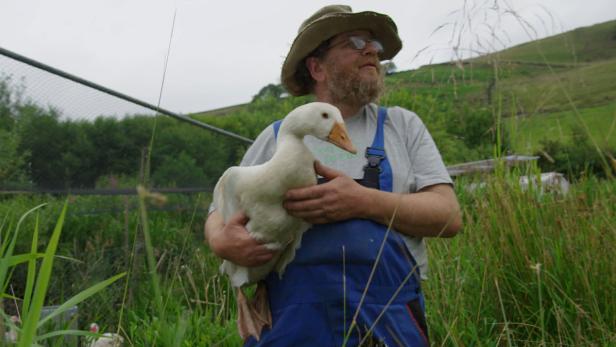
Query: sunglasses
{"points": [[360, 43]]}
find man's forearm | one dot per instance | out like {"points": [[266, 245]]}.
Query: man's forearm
{"points": [[432, 212], [213, 224], [231, 241]]}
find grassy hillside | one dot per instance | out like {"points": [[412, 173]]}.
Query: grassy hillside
{"points": [[544, 89], [528, 132], [584, 86], [541, 90], [582, 45]]}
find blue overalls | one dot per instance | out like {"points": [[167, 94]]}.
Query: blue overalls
{"points": [[315, 301]]}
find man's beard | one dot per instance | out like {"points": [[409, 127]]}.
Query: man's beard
{"points": [[347, 87]]}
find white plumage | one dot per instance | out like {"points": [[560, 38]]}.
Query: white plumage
{"points": [[259, 190]]}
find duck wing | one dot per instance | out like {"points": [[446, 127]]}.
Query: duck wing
{"points": [[229, 192], [225, 197]]}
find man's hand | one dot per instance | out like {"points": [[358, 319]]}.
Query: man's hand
{"points": [[339, 199], [232, 241]]}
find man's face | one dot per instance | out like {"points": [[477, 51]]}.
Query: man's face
{"points": [[353, 75]]}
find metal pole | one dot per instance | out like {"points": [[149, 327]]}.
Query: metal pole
{"points": [[98, 87]]}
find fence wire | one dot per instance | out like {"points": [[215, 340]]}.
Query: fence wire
{"points": [[74, 101], [24, 81]]}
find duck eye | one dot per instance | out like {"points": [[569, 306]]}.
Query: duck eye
{"points": [[325, 115]]}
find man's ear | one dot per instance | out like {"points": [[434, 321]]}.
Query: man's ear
{"points": [[315, 67]]}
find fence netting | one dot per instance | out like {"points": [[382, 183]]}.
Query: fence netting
{"points": [[60, 135]]}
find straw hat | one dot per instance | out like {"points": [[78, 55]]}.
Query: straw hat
{"points": [[329, 22]]}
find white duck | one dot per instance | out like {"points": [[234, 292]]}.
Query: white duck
{"points": [[259, 191]]}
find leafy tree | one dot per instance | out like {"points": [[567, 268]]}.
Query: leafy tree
{"points": [[12, 162], [180, 171], [270, 91], [42, 136], [9, 100]]}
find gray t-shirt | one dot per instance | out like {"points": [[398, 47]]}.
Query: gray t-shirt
{"points": [[414, 159]]}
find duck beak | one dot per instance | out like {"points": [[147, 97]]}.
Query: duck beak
{"points": [[339, 137]]}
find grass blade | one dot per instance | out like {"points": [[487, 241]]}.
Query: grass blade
{"points": [[31, 268], [38, 299], [81, 296]]}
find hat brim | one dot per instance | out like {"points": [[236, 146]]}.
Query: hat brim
{"points": [[380, 25]]}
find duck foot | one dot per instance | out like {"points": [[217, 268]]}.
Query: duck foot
{"points": [[253, 315]]}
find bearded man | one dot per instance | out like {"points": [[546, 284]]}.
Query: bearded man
{"points": [[356, 277]]}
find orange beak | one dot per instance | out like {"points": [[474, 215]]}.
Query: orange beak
{"points": [[339, 137]]}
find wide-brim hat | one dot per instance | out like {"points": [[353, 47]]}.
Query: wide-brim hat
{"points": [[331, 21]]}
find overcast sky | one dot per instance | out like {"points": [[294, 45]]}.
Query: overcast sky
{"points": [[223, 52]]}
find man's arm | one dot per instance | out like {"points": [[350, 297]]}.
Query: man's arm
{"points": [[433, 211], [232, 242]]}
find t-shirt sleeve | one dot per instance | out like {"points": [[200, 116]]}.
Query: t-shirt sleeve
{"points": [[426, 161], [262, 149], [259, 152]]}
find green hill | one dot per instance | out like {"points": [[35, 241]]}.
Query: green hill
{"points": [[539, 91], [582, 45], [564, 82]]}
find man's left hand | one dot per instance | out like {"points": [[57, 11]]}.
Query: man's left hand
{"points": [[339, 199]]}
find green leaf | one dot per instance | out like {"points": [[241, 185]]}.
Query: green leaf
{"points": [[32, 316], [22, 258], [31, 268], [81, 296], [7, 250], [70, 332]]}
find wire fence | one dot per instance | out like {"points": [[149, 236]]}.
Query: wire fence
{"points": [[99, 100], [74, 99]]}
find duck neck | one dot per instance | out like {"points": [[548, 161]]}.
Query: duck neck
{"points": [[291, 153]]}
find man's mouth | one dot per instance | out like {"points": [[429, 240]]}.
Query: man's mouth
{"points": [[369, 65]]}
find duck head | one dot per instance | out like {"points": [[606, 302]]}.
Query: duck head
{"points": [[321, 120]]}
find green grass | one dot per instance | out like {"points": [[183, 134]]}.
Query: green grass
{"points": [[34, 327], [485, 286], [527, 132], [528, 269], [585, 86], [582, 45]]}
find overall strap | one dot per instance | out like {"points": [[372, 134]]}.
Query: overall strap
{"points": [[276, 125], [377, 172]]}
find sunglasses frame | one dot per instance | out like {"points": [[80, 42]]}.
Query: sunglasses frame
{"points": [[360, 43]]}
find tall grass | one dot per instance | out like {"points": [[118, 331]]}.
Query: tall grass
{"points": [[30, 309], [195, 305], [529, 269]]}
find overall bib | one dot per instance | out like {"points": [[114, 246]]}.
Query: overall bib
{"points": [[315, 301]]}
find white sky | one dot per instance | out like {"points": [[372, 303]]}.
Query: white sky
{"points": [[223, 52]]}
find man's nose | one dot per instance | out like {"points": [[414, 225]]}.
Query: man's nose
{"points": [[371, 48]]}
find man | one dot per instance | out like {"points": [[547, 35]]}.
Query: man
{"points": [[353, 280]]}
